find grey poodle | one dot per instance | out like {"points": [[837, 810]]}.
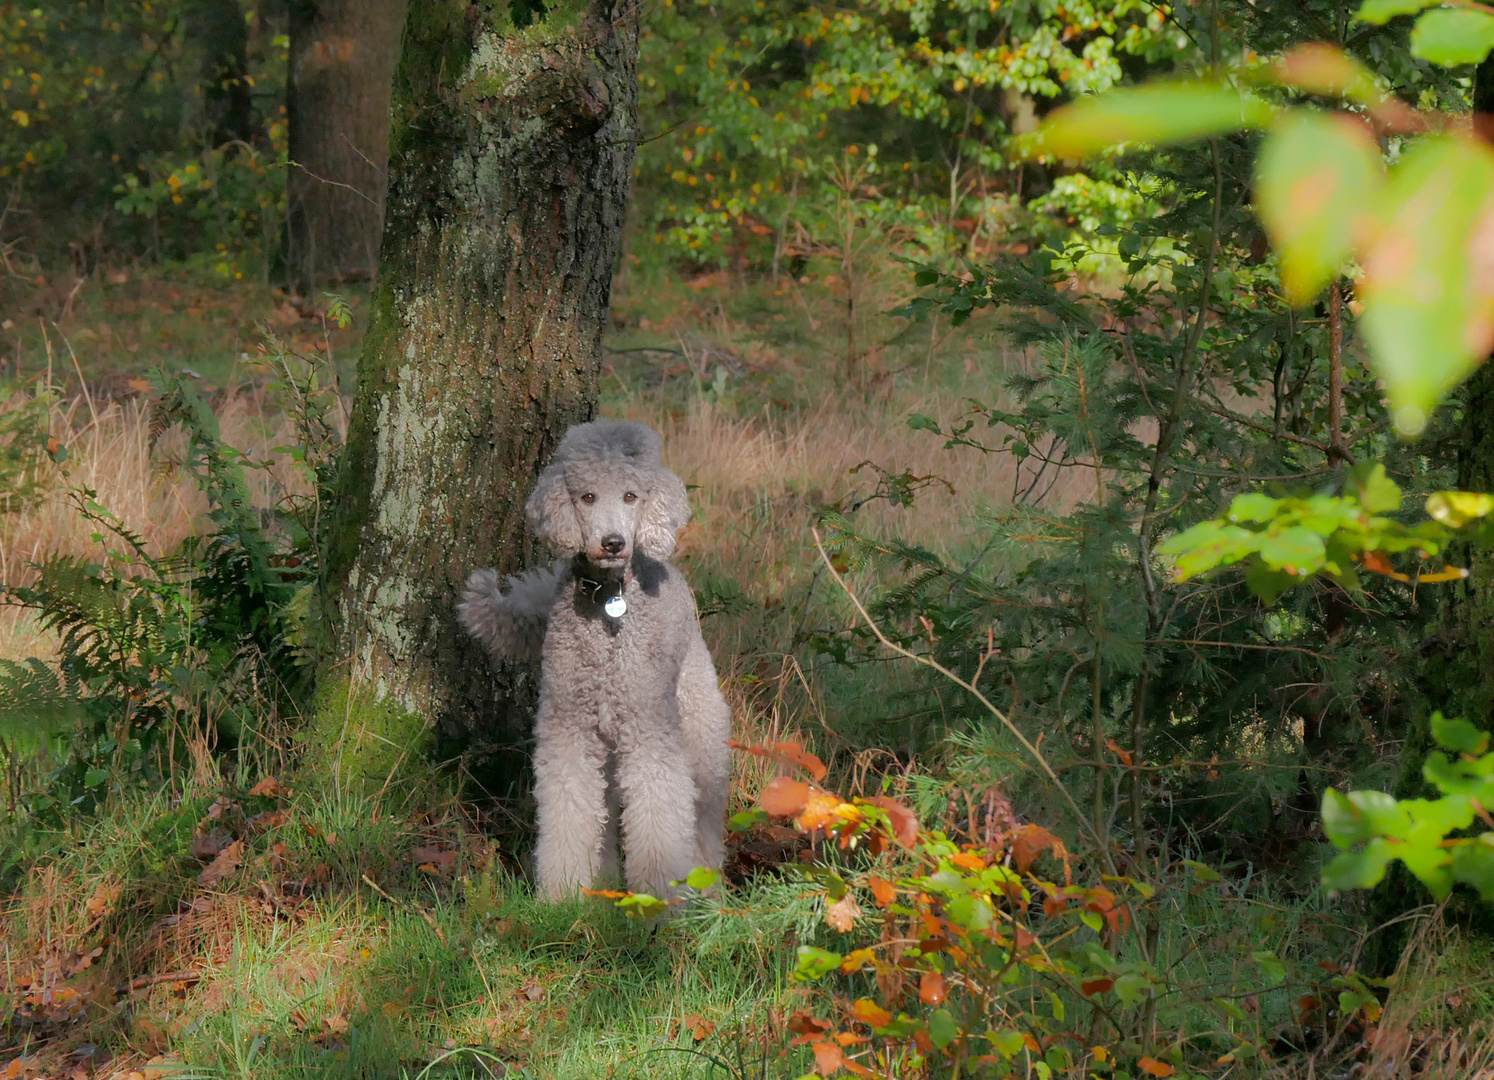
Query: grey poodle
{"points": [[630, 718]]}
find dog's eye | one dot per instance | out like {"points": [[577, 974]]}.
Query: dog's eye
{"points": [[630, 497], [588, 498]]}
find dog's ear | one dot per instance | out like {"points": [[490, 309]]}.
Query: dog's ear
{"points": [[551, 514], [665, 513]]}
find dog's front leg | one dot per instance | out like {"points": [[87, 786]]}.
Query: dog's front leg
{"points": [[658, 802], [571, 790]]}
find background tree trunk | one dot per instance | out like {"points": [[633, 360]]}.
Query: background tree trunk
{"points": [[342, 57], [511, 156], [221, 33]]}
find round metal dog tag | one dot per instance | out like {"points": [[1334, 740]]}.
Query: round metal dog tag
{"points": [[616, 606]]}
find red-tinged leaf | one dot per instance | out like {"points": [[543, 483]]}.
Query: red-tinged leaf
{"points": [[1124, 755], [1163, 111], [1052, 905], [801, 1022], [1328, 72], [827, 1058], [784, 797], [923, 1042], [1024, 937], [790, 752], [1317, 178], [931, 988], [870, 1013], [968, 860], [1428, 286], [904, 822], [883, 892], [1153, 1067], [1031, 840], [1095, 986], [849, 1038]]}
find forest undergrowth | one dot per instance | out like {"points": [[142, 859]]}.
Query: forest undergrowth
{"points": [[272, 911]]}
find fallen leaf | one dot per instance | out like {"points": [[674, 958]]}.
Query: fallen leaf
{"points": [[843, 913], [221, 805], [699, 1027], [225, 863], [432, 860], [269, 787], [139, 385], [102, 900], [532, 991], [801, 1022], [335, 1025], [206, 846]]}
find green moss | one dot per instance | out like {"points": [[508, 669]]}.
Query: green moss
{"points": [[358, 743]]}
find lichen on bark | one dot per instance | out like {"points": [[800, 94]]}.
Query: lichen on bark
{"points": [[510, 158]]}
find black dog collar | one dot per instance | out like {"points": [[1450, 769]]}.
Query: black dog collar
{"points": [[608, 592]]}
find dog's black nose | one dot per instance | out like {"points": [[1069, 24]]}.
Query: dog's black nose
{"points": [[613, 544]]}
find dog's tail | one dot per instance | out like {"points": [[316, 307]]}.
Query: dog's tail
{"points": [[512, 625]]}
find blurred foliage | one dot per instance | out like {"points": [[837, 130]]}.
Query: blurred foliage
{"points": [[142, 128]]}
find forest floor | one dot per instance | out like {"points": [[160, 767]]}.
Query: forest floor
{"points": [[384, 930]]}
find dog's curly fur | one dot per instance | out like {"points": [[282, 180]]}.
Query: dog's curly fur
{"points": [[631, 726]]}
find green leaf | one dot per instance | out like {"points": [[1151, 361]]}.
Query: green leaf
{"points": [[746, 819], [1159, 112], [1092, 920], [94, 777], [815, 963], [1316, 177], [1007, 1043], [1268, 584], [1202, 871], [1253, 506], [1351, 1001], [1453, 36], [1427, 314], [1459, 735], [1297, 548], [1271, 966], [702, 877], [1376, 492], [1381, 12], [1361, 815], [641, 905], [942, 1028], [1131, 988], [1358, 869], [1207, 545], [1473, 864]]}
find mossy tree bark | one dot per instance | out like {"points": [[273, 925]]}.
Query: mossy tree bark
{"points": [[341, 63], [510, 158]]}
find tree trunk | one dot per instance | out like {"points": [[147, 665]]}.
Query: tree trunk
{"points": [[511, 156], [342, 57], [220, 31]]}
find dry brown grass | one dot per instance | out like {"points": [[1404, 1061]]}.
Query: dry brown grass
{"points": [[109, 452]]}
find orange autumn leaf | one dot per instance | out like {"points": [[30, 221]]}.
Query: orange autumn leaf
{"points": [[1095, 986], [1124, 755], [870, 1013], [1030, 842], [1153, 1067], [856, 960], [883, 891], [827, 1058], [843, 913], [269, 786], [606, 894], [824, 811], [784, 797], [931, 988], [968, 860], [790, 752]]}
